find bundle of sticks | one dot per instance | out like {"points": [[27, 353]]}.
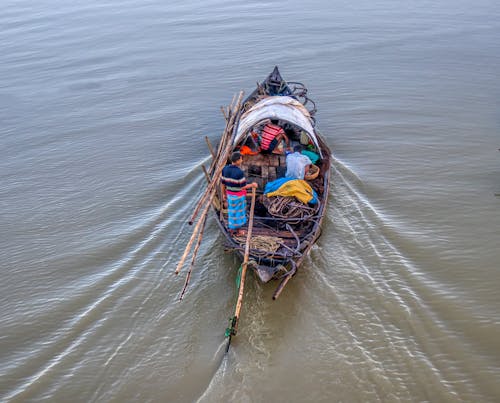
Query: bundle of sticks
{"points": [[219, 161]]}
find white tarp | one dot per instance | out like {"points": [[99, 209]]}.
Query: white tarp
{"points": [[277, 107]]}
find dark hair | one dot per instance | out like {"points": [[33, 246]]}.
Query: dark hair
{"points": [[298, 148], [274, 121], [235, 156]]}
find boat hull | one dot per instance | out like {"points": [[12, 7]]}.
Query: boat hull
{"points": [[284, 229]]}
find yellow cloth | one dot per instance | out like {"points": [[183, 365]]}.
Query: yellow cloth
{"points": [[297, 188]]}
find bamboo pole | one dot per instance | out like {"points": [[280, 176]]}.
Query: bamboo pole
{"points": [[205, 172], [231, 114], [196, 233], [210, 148], [218, 192], [244, 265], [227, 131], [193, 258], [221, 161], [207, 197], [209, 192], [196, 229], [283, 283], [224, 113]]}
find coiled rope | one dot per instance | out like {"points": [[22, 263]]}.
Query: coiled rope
{"points": [[261, 245], [288, 207]]}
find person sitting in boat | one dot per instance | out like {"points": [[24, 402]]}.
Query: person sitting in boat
{"points": [[271, 136], [234, 191], [297, 164]]}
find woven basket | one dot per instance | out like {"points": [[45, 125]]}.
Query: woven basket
{"points": [[312, 173]]}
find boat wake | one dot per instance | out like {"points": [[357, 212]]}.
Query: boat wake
{"points": [[377, 293]]}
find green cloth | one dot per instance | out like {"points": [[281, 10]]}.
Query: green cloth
{"points": [[312, 155]]}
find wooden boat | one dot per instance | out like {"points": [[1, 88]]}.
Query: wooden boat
{"points": [[284, 228], [285, 215]]}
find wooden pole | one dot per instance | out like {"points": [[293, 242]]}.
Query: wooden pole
{"points": [[193, 258], [196, 229], [244, 265], [221, 160], [208, 195], [232, 115], [224, 113], [210, 148], [219, 201], [283, 283], [207, 177]]}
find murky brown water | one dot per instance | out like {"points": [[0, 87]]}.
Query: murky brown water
{"points": [[103, 110]]}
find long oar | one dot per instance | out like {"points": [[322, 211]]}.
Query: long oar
{"points": [[234, 321]]}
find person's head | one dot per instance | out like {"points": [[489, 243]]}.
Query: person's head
{"points": [[298, 148], [235, 157], [274, 121]]}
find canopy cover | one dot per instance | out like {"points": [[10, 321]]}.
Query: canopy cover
{"points": [[277, 107]]}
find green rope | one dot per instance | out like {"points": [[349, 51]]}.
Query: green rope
{"points": [[230, 330]]}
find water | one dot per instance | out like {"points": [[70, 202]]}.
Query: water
{"points": [[103, 110]]}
